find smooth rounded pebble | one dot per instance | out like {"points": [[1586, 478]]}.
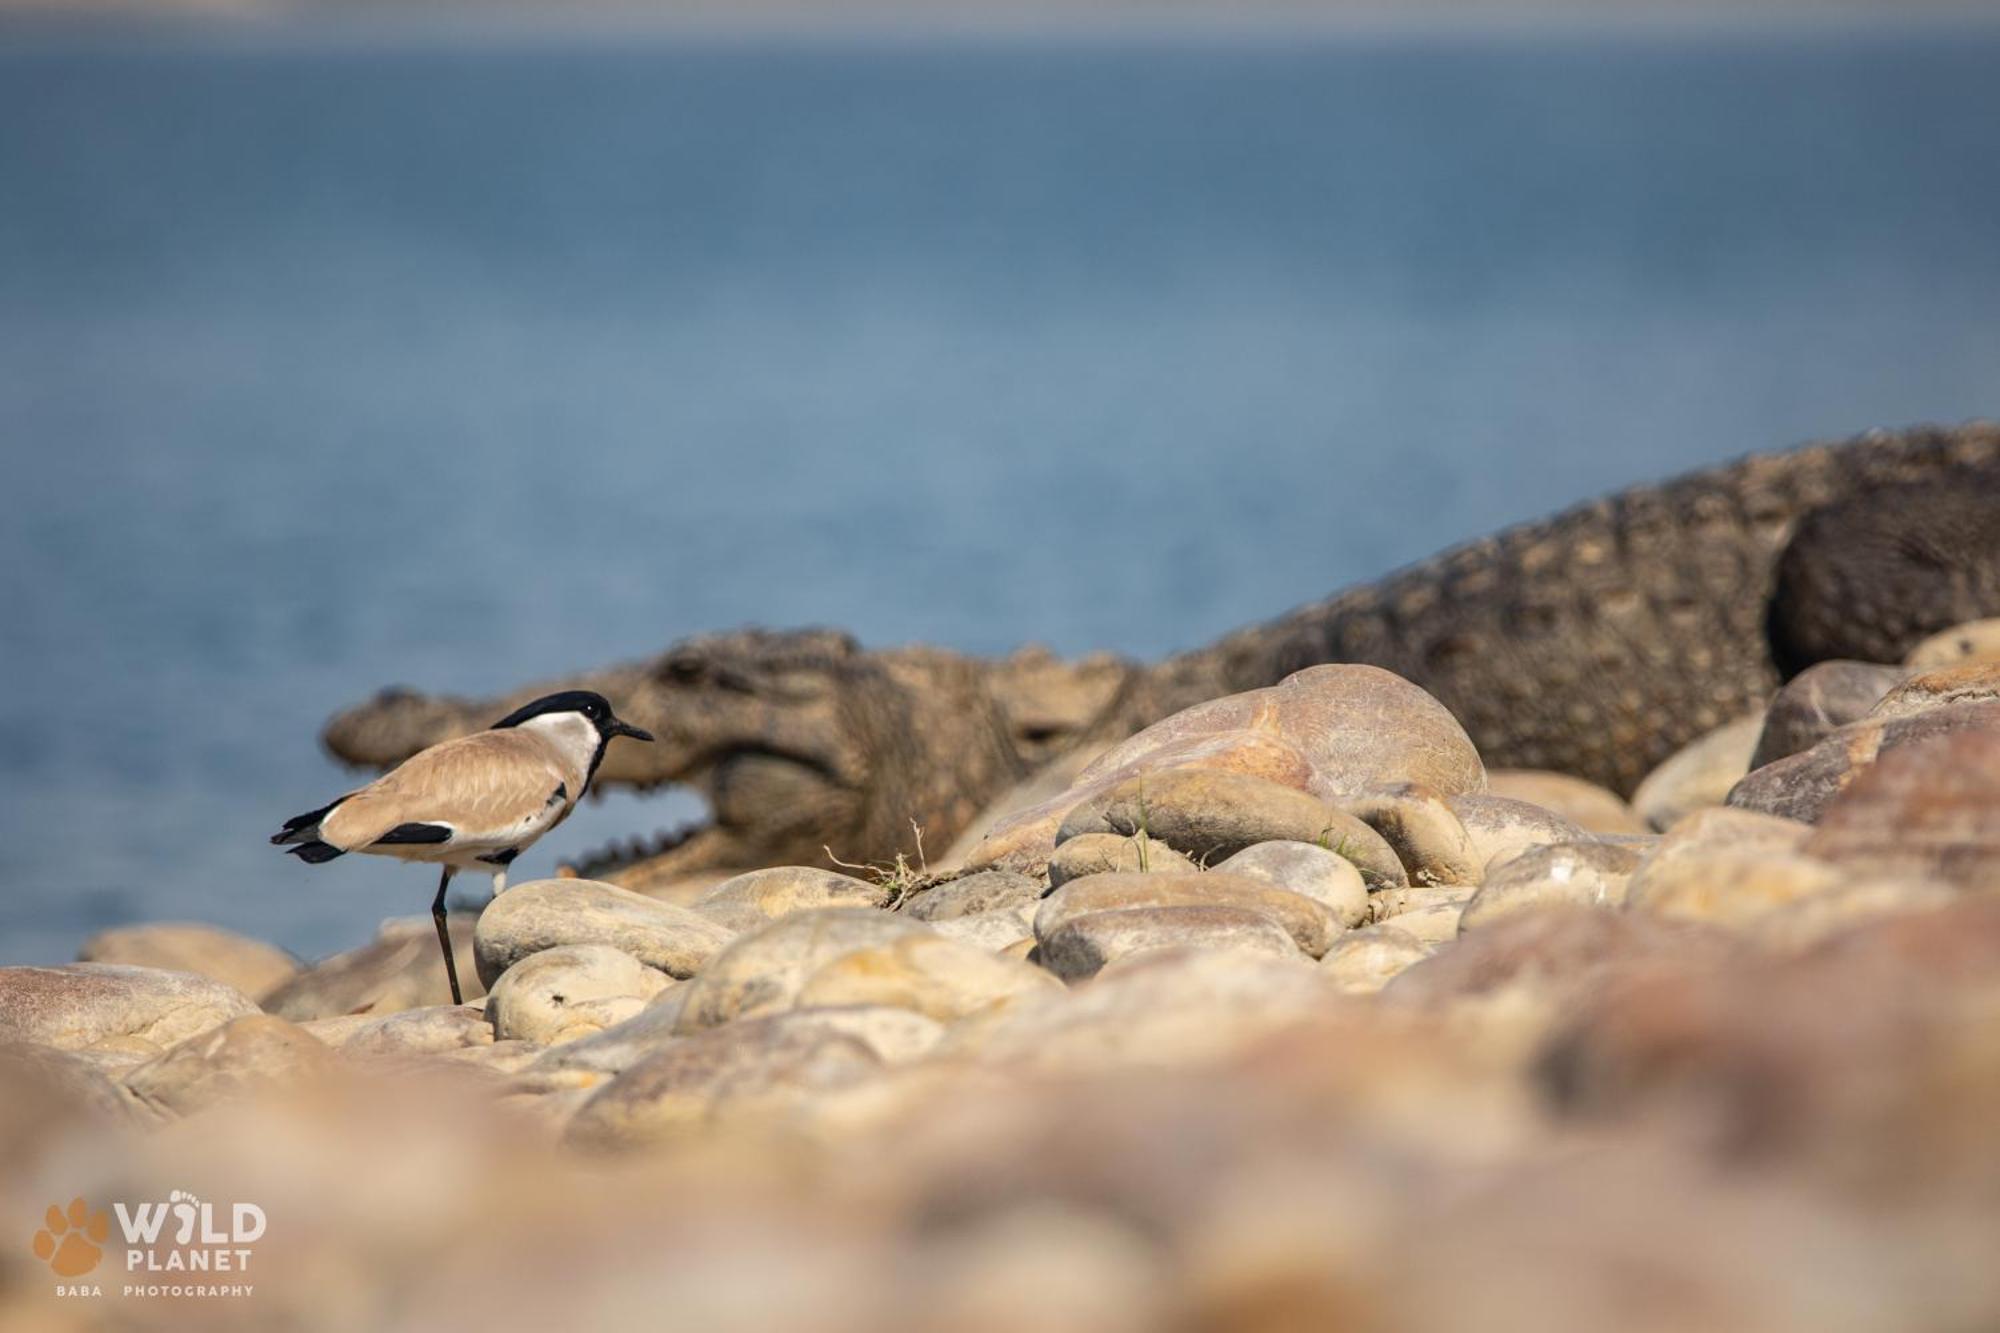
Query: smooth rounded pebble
{"points": [[571, 991], [250, 965], [1428, 839], [976, 894], [1310, 924], [1974, 641], [1803, 786], [1501, 827], [1306, 869], [1700, 773], [399, 969], [1363, 961], [1929, 811], [1112, 853], [1081, 946], [749, 900], [547, 913], [1584, 874], [245, 1056], [1590, 807], [86, 1005], [1819, 701], [929, 974], [764, 971]]}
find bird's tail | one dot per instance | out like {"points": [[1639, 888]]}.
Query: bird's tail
{"points": [[300, 836]]}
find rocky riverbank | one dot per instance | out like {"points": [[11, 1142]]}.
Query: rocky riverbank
{"points": [[1285, 1014]]}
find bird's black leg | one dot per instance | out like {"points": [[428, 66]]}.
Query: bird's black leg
{"points": [[444, 935]]}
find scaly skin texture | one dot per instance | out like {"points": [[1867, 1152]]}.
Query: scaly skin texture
{"points": [[1595, 642]]}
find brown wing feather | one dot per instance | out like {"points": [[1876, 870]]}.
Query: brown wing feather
{"points": [[488, 780]]}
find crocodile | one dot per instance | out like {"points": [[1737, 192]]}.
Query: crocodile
{"points": [[1595, 642]]}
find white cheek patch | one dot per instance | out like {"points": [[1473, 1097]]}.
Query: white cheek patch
{"points": [[571, 733]]}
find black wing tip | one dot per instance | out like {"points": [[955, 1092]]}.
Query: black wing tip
{"points": [[302, 827], [416, 833], [315, 852]]}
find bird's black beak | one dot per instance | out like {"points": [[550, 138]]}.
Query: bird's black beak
{"points": [[614, 727]]}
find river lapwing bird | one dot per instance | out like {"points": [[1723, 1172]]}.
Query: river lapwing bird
{"points": [[474, 803]]}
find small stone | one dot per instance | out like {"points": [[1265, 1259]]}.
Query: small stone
{"points": [[1700, 774], [1927, 811], [1081, 946], [245, 1056], [764, 971], [1796, 926], [431, 1030], [991, 931], [749, 900], [401, 968], [251, 966], [939, 978], [550, 912], [1112, 853], [1428, 839], [1819, 701], [1802, 786], [1161, 1008], [1729, 888], [1430, 914], [1974, 641], [85, 1005], [1306, 869], [764, 1071], [1502, 828], [1590, 807], [976, 894], [1310, 924], [1363, 961], [1583, 874], [571, 991]]}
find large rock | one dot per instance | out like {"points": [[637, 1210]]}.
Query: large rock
{"points": [[551, 912], [1310, 924], [1802, 786], [244, 1057], [1330, 731], [1081, 946], [432, 1029], [1818, 702], [1432, 913], [1926, 811], [249, 965], [1582, 874], [749, 900], [1307, 869], [760, 1071], [1592, 808], [1701, 773], [939, 978], [764, 971], [570, 991], [87, 1006], [399, 969], [1210, 816]]}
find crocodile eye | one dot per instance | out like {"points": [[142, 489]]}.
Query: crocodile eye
{"points": [[683, 670]]}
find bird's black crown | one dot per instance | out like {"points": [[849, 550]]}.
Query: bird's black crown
{"points": [[587, 702]]}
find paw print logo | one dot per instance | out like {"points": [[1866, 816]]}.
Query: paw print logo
{"points": [[72, 1242]]}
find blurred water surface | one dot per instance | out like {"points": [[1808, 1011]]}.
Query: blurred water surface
{"points": [[330, 365]]}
